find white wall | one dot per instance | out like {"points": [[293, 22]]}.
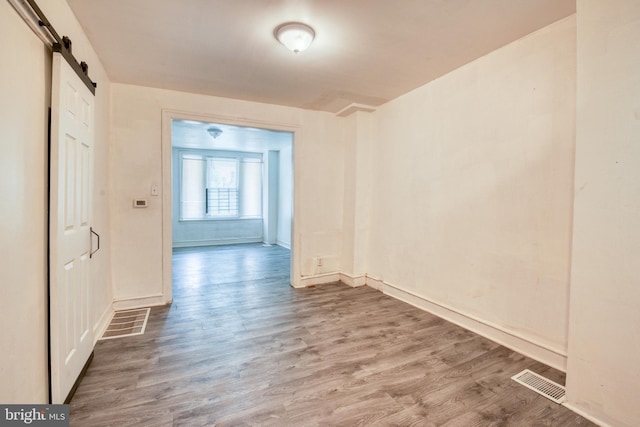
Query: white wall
{"points": [[285, 197], [137, 162], [472, 201], [270, 195], [25, 75], [358, 190], [23, 181], [603, 378], [216, 232]]}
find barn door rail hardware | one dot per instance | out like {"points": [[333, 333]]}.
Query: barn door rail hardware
{"points": [[36, 19]]}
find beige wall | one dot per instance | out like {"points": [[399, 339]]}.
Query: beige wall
{"points": [[603, 377], [136, 163], [285, 197], [23, 180], [25, 74], [472, 200], [358, 176]]}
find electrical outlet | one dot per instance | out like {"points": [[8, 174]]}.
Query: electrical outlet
{"points": [[154, 190], [319, 262]]}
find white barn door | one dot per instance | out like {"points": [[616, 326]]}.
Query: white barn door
{"points": [[71, 182]]}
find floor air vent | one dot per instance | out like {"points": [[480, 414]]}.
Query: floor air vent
{"points": [[540, 385], [127, 323]]}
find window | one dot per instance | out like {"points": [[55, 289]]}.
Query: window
{"points": [[221, 191], [217, 187]]}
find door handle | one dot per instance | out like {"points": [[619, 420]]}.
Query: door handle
{"points": [[91, 251]]}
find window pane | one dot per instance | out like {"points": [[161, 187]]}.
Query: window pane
{"points": [[222, 187], [222, 173], [192, 189]]}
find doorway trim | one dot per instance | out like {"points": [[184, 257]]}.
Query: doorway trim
{"points": [[168, 115]]}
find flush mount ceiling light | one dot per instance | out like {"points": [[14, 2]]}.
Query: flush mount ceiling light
{"points": [[214, 132], [296, 36]]}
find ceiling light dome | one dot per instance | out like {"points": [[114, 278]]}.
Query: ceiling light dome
{"points": [[214, 132], [296, 36]]}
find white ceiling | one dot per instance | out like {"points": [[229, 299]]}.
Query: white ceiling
{"points": [[193, 134], [366, 51]]}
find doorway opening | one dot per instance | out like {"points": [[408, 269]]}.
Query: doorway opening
{"points": [[228, 183]]}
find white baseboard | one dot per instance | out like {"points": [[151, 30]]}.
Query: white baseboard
{"points": [[149, 301], [540, 352], [318, 279], [353, 281], [103, 322], [215, 242], [374, 283], [284, 244], [586, 415]]}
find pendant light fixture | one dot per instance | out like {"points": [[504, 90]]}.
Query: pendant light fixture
{"points": [[295, 36]]}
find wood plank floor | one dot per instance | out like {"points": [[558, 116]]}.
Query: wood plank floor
{"points": [[239, 346]]}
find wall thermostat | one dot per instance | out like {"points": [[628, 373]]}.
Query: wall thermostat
{"points": [[140, 203]]}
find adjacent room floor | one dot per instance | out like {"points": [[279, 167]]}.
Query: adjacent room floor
{"points": [[239, 346]]}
